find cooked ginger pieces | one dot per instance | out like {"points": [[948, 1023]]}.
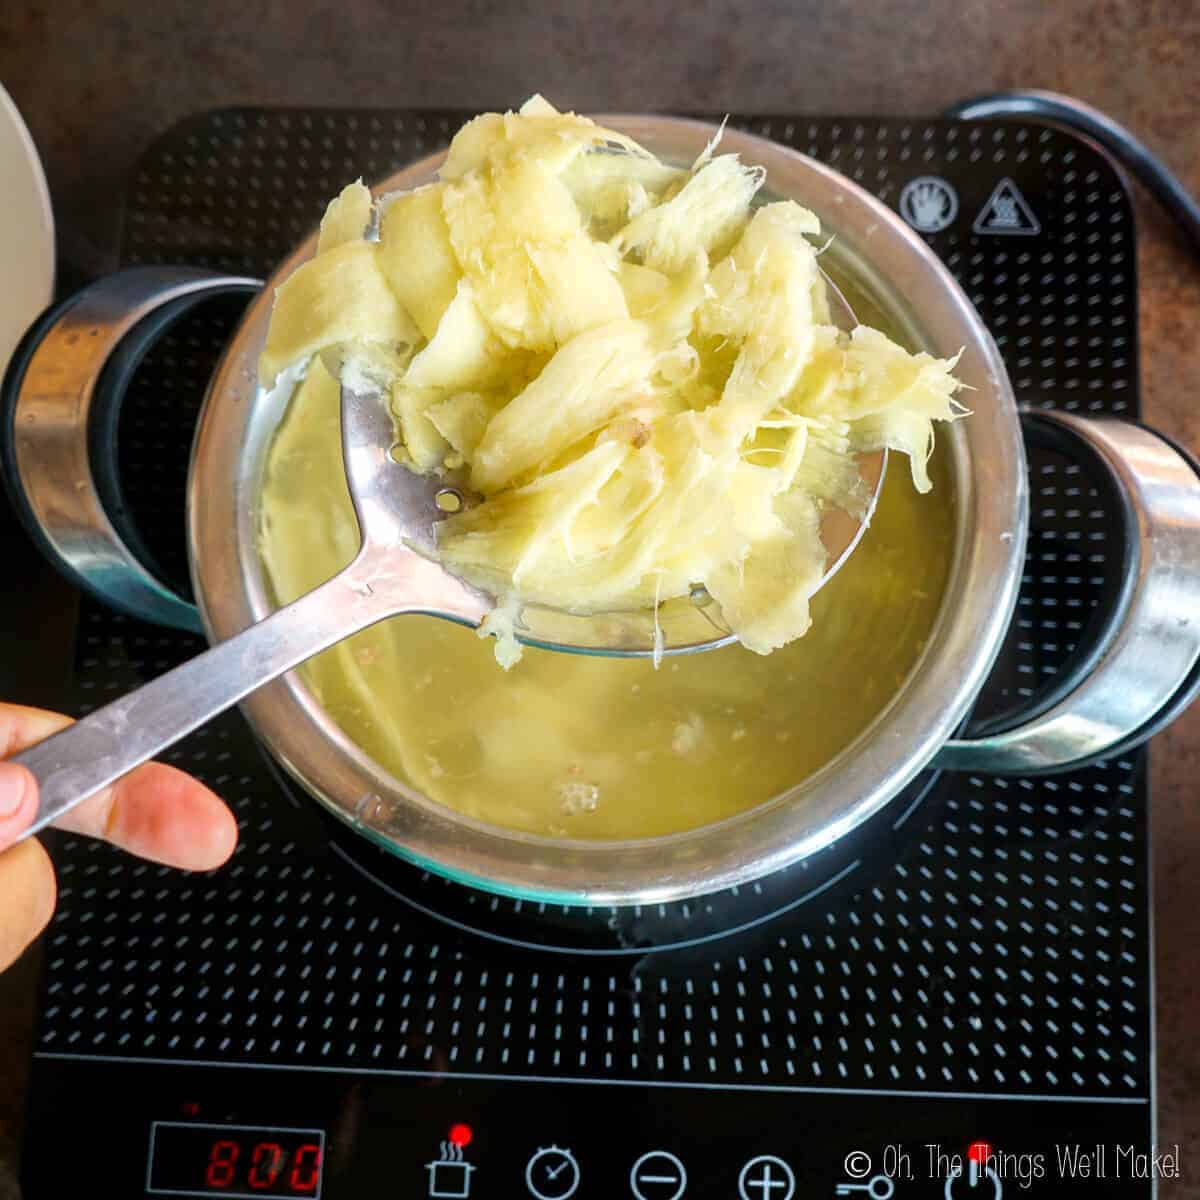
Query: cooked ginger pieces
{"points": [[633, 364]]}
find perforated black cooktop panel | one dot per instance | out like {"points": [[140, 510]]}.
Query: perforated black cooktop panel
{"points": [[991, 942]]}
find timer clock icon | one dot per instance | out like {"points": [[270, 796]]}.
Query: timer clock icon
{"points": [[552, 1174]]}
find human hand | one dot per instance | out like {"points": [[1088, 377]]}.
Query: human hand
{"points": [[155, 812]]}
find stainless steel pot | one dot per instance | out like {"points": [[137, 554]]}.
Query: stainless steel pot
{"points": [[1143, 669]]}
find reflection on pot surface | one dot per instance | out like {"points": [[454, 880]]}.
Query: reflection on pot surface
{"points": [[603, 748]]}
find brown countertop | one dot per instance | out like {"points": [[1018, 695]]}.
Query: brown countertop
{"points": [[97, 81]]}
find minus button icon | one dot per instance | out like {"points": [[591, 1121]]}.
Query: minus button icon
{"points": [[658, 1175]]}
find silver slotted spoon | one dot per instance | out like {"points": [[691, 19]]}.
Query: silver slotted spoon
{"points": [[397, 513]]}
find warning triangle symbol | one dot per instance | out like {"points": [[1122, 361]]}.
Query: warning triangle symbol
{"points": [[1007, 212]]}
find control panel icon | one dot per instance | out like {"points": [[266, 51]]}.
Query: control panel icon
{"points": [[449, 1173], [878, 1187], [658, 1175], [766, 1178], [976, 1183], [449, 1177], [552, 1173]]}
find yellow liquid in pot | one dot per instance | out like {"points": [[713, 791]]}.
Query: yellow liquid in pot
{"points": [[605, 748]]}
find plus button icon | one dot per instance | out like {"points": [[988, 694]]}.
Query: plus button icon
{"points": [[766, 1178]]}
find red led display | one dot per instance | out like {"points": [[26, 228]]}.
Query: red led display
{"points": [[222, 1163], [306, 1169], [220, 1160]]}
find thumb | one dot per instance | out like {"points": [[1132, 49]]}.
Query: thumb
{"points": [[18, 801]]}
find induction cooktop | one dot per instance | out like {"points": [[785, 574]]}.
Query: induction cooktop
{"points": [[954, 1002]]}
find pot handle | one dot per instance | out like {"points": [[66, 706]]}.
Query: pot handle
{"points": [[59, 404], [1145, 666]]}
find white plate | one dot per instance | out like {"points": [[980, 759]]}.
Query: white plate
{"points": [[26, 231]]}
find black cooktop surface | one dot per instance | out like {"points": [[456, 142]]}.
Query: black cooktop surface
{"points": [[319, 1018]]}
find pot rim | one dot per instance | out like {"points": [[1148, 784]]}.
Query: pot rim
{"points": [[987, 455]]}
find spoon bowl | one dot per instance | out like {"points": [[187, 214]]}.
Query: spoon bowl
{"points": [[398, 511]]}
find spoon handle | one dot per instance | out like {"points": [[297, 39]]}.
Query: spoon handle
{"points": [[97, 750]]}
